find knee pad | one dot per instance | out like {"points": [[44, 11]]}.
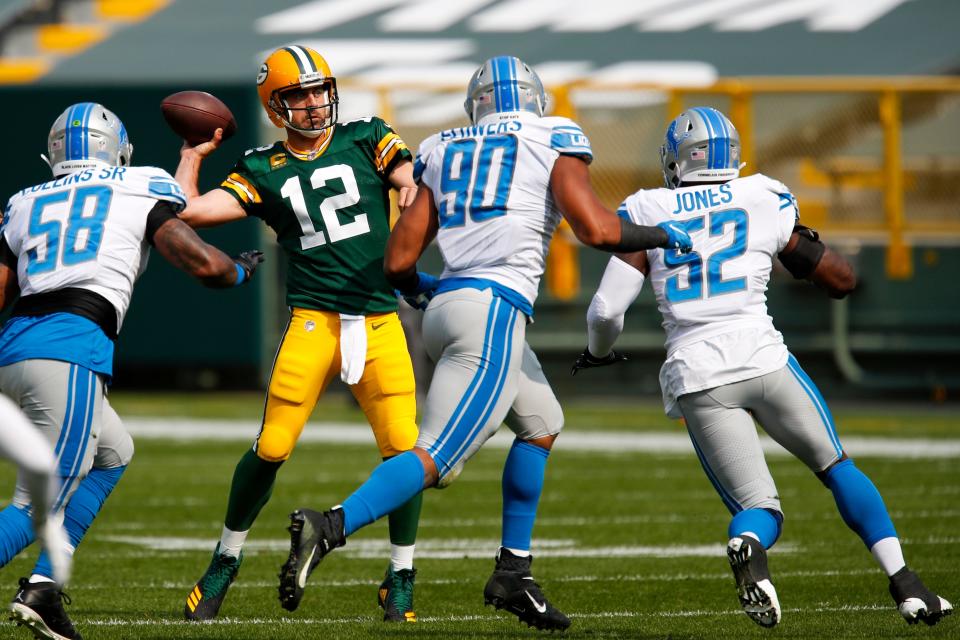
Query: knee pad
{"points": [[400, 437], [275, 445]]}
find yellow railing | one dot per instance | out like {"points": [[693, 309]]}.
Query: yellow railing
{"points": [[877, 159]]}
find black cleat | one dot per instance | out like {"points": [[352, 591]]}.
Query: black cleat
{"points": [[395, 595], [312, 536], [914, 601], [204, 600], [511, 587], [38, 606], [758, 598]]}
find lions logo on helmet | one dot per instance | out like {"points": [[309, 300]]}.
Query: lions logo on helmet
{"points": [[701, 145], [87, 135], [501, 84], [293, 68]]}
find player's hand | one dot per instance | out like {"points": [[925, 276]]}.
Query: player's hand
{"points": [[677, 237], [587, 360], [249, 261], [203, 149], [421, 295], [405, 197]]}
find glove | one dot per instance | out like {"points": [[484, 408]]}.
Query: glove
{"points": [[587, 360], [420, 296], [248, 261], [677, 237]]}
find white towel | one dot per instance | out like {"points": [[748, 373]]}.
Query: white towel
{"points": [[353, 347]]}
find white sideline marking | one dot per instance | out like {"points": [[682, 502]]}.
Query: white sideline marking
{"points": [[453, 549], [184, 429], [226, 622]]}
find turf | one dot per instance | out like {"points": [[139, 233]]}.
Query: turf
{"points": [[615, 544]]}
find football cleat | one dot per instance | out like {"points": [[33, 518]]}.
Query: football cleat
{"points": [[39, 606], [914, 601], [395, 595], [513, 588], [203, 602], [312, 536], [758, 598]]}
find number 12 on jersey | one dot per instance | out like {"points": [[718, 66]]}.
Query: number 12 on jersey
{"points": [[488, 165]]}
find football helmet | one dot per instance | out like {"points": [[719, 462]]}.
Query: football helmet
{"points": [[701, 145], [87, 134], [504, 83], [293, 68]]}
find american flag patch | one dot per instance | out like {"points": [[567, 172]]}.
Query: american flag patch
{"points": [[698, 154]]}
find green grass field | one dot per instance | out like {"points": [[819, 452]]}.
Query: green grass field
{"points": [[630, 545]]}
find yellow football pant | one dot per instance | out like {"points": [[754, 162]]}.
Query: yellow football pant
{"points": [[309, 358]]}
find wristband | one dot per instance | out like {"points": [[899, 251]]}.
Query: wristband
{"points": [[241, 275]]}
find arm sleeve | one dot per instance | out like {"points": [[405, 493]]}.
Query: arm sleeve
{"points": [[619, 287], [388, 148], [161, 212]]}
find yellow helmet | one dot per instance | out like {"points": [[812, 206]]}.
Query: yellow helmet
{"points": [[293, 68]]}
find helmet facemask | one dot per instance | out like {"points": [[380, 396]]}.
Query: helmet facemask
{"points": [[324, 115]]}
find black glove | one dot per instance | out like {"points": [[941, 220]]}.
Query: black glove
{"points": [[587, 360], [249, 261]]}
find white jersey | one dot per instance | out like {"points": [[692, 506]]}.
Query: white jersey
{"points": [[491, 187], [713, 300], [87, 230]]}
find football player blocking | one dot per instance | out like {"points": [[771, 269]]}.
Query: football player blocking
{"points": [[325, 191], [727, 365], [72, 248], [492, 195]]}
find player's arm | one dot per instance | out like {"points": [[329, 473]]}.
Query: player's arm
{"points": [[597, 226], [182, 247], [401, 179], [9, 284], [806, 257], [414, 231], [214, 207], [621, 284]]}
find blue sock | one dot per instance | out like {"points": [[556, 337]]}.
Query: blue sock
{"points": [[859, 502], [522, 483], [16, 532], [83, 507], [390, 485], [766, 523]]}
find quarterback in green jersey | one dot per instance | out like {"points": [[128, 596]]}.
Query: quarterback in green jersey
{"points": [[325, 191]]}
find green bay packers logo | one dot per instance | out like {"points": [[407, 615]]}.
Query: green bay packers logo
{"points": [[262, 74]]}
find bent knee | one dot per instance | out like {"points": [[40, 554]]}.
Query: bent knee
{"points": [[399, 437], [275, 445]]}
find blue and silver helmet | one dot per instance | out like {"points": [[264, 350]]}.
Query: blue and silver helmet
{"points": [[504, 83], [701, 145], [86, 135]]}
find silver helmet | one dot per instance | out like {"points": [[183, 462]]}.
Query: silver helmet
{"points": [[86, 135], [504, 83], [701, 145]]}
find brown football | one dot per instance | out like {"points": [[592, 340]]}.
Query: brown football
{"points": [[195, 115]]}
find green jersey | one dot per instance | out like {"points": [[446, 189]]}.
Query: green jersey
{"points": [[331, 214]]}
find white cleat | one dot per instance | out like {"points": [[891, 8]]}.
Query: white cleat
{"points": [[914, 601], [758, 598]]}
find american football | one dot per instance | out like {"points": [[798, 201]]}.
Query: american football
{"points": [[195, 115]]}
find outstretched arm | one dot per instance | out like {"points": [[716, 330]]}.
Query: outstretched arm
{"points": [[597, 226], [214, 207], [806, 257], [182, 247], [410, 237]]}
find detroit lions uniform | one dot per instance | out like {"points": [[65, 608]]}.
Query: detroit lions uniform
{"points": [[722, 346], [80, 242], [489, 183]]}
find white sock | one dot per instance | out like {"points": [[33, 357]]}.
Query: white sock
{"points": [[231, 542], [889, 555], [35, 578], [401, 556], [520, 553]]}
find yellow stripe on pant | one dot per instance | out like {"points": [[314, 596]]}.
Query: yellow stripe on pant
{"points": [[309, 358]]}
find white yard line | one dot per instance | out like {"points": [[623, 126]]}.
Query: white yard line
{"points": [[570, 440]]}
